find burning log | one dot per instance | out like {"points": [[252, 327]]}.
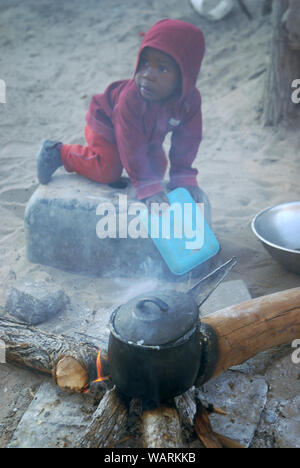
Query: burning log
{"points": [[71, 362], [108, 422], [254, 326], [161, 428]]}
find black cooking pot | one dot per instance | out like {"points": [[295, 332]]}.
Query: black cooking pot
{"points": [[155, 345]]}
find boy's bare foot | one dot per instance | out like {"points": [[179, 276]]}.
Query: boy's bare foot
{"points": [[48, 160]]}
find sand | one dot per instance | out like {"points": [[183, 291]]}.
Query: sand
{"points": [[56, 55]]}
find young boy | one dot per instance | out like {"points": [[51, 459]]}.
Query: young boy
{"points": [[126, 125]]}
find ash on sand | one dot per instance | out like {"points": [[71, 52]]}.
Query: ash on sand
{"points": [[67, 51]]}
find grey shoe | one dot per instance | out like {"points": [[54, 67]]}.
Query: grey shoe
{"points": [[48, 160]]}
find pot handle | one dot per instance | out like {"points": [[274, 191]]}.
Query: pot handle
{"points": [[155, 300]]}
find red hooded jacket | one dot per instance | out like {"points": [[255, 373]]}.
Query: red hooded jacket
{"points": [[139, 127]]}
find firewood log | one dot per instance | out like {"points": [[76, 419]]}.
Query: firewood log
{"points": [[107, 424], [186, 406], [161, 428], [71, 362], [247, 329]]}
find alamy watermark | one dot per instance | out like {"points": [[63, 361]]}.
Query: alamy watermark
{"points": [[178, 221], [296, 353], [2, 352], [296, 93], [2, 92]]}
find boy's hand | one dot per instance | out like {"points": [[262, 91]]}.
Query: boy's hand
{"points": [[196, 193], [158, 198]]}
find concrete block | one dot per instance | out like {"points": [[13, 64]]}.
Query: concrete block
{"points": [[60, 230], [62, 224]]}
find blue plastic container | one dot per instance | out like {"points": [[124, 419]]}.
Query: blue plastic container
{"points": [[181, 235]]}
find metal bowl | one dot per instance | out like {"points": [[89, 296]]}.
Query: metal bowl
{"points": [[278, 228], [213, 11]]}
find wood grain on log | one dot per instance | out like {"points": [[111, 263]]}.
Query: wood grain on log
{"points": [[254, 326], [161, 428], [71, 362], [70, 375], [107, 423], [186, 406]]}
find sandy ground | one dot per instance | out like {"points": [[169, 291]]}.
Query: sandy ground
{"points": [[56, 55]]}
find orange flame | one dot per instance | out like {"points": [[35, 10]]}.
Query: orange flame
{"points": [[100, 376]]}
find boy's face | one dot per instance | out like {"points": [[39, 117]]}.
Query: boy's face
{"points": [[158, 75]]}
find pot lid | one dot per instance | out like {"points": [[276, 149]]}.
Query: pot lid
{"points": [[156, 319]]}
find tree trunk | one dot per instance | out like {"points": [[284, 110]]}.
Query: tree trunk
{"points": [[284, 66]]}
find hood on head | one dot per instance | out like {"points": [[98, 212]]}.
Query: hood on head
{"points": [[184, 42]]}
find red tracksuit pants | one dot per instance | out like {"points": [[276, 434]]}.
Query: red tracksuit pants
{"points": [[98, 161]]}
